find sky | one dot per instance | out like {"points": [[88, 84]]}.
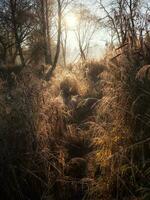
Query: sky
{"points": [[97, 47]]}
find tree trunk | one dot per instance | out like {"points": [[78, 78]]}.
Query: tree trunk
{"points": [[64, 54], [45, 30], [82, 53], [49, 55], [18, 46], [17, 39], [50, 71], [64, 47]]}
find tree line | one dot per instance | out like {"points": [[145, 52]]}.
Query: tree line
{"points": [[35, 29]]}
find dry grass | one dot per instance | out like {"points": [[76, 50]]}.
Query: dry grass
{"points": [[31, 121], [36, 139], [121, 133], [93, 70], [39, 137], [69, 87]]}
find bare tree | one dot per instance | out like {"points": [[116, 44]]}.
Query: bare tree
{"points": [[86, 28], [16, 23], [61, 6], [122, 16], [13, 10]]}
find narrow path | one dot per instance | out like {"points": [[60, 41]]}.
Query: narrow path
{"points": [[78, 173]]}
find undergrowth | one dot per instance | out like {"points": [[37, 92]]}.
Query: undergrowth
{"points": [[83, 135]]}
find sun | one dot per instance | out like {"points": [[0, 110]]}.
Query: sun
{"points": [[71, 20]]}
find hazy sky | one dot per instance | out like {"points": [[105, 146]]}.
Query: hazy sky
{"points": [[99, 39]]}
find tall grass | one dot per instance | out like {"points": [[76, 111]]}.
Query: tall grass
{"points": [[30, 124], [122, 130], [43, 146]]}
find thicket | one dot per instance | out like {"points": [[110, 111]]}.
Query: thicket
{"points": [[47, 154]]}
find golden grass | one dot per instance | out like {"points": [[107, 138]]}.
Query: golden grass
{"points": [[39, 136]]}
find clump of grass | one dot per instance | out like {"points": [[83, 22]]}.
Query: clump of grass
{"points": [[93, 75], [69, 86], [94, 69]]}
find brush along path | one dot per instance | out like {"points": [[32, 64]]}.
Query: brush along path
{"points": [[78, 174]]}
